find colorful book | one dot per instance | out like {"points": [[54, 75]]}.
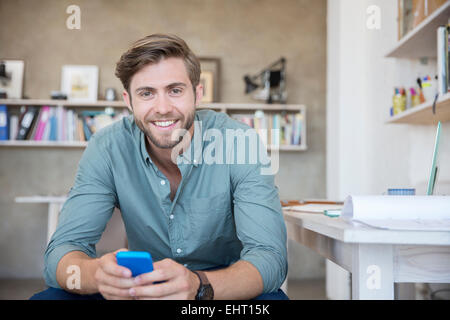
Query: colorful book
{"points": [[42, 122], [53, 136]]}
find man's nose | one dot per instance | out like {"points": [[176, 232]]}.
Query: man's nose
{"points": [[163, 105]]}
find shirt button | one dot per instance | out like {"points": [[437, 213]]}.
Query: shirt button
{"points": [[179, 250], [195, 161], [171, 217], [163, 182]]}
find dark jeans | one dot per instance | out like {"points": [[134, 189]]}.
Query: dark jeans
{"points": [[59, 294]]}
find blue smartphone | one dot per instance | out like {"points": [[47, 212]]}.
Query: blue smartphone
{"points": [[137, 261]]}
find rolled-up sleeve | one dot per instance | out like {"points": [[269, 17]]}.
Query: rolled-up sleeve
{"points": [[84, 215], [259, 223]]}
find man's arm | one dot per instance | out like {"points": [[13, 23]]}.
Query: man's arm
{"points": [[84, 215], [96, 275], [86, 266], [239, 281]]}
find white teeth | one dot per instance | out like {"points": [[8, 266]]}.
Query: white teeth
{"points": [[164, 123]]}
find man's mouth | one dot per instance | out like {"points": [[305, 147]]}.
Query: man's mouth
{"points": [[166, 124]]}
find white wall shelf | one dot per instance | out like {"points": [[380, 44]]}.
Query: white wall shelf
{"points": [[421, 42], [223, 107], [423, 113]]}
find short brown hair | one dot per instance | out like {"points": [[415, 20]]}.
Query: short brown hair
{"points": [[152, 49]]}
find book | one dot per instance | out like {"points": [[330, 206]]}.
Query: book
{"points": [[60, 112], [442, 59], [26, 121], [42, 123], [13, 127], [53, 136], [4, 128]]}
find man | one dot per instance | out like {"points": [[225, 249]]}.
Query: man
{"points": [[214, 230]]}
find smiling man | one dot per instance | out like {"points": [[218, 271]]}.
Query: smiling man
{"points": [[214, 231]]}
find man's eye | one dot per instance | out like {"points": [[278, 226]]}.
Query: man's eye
{"points": [[145, 94], [176, 91]]}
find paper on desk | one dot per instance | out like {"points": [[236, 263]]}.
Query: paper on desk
{"points": [[314, 207], [399, 212]]}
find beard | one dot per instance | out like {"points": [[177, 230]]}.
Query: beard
{"points": [[165, 141]]}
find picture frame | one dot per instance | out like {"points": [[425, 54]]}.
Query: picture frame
{"points": [[80, 82], [12, 82], [210, 78]]}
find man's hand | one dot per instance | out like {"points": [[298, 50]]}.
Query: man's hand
{"points": [[113, 281], [179, 282]]}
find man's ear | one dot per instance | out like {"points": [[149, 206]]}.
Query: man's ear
{"points": [[127, 99], [198, 94]]}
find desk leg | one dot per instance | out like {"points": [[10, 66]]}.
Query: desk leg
{"points": [[52, 219], [372, 272]]}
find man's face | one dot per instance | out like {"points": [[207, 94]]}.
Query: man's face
{"points": [[163, 100]]}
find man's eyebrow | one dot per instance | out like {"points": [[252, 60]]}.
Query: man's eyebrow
{"points": [[144, 88], [176, 84], [169, 86]]}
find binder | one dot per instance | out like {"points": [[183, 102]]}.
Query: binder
{"points": [[26, 121], [4, 128]]}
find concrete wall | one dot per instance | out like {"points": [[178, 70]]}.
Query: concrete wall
{"points": [[246, 35]]}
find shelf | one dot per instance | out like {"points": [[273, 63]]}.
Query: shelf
{"points": [[421, 42], [423, 114], [290, 148], [53, 144], [50, 102], [121, 104], [223, 107], [83, 144]]}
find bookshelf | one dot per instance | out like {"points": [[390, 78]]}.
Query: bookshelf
{"points": [[421, 42], [229, 108], [423, 113]]}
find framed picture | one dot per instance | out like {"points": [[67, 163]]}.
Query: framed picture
{"points": [[210, 78], [80, 83], [11, 78], [207, 80]]}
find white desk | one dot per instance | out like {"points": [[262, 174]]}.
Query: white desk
{"points": [[376, 258], [54, 207]]}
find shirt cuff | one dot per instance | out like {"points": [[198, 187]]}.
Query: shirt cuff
{"points": [[271, 266], [52, 259]]}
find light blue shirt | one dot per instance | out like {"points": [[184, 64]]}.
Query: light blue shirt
{"points": [[221, 213]]}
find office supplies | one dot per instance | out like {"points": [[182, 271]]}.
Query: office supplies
{"points": [[434, 162], [314, 207], [137, 261], [332, 212], [401, 192]]}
